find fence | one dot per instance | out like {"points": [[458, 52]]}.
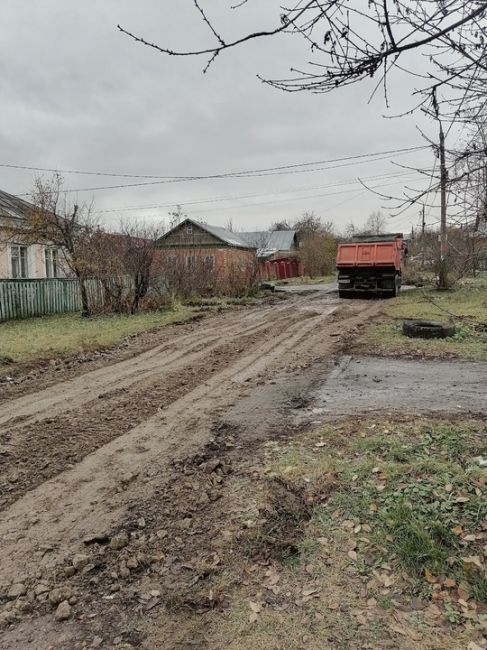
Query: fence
{"points": [[28, 298]]}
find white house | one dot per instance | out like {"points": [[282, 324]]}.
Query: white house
{"points": [[20, 258]]}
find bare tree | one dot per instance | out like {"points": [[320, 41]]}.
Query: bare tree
{"points": [[69, 227], [354, 41], [139, 243], [375, 224]]}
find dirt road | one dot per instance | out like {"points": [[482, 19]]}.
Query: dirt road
{"points": [[76, 455]]}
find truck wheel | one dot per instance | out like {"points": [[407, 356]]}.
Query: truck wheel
{"points": [[343, 294], [397, 286]]}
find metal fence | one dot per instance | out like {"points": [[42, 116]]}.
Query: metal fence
{"points": [[28, 298]]}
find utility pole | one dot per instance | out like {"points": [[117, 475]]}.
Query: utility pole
{"points": [[423, 228], [443, 183]]}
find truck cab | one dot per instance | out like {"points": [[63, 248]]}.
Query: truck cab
{"points": [[371, 264]]}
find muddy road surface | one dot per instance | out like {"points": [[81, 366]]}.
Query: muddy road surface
{"points": [[76, 455]]}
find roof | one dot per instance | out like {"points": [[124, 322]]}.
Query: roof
{"points": [[13, 207], [265, 242], [230, 238], [276, 240]]}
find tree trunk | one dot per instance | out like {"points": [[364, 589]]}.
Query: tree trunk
{"points": [[85, 303]]}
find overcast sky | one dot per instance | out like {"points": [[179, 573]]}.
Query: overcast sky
{"points": [[79, 95]]}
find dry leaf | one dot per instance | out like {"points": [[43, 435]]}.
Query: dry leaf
{"points": [[449, 583], [309, 592], [462, 499], [430, 577], [473, 560], [458, 530], [474, 646], [253, 617], [255, 607], [448, 487], [353, 555]]}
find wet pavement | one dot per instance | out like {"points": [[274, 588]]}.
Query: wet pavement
{"points": [[361, 384]]}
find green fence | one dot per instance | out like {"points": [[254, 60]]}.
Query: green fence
{"points": [[28, 298]]}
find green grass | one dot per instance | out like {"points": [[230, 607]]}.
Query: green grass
{"points": [[465, 306], [54, 336], [416, 487]]}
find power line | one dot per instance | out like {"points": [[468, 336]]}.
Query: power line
{"points": [[300, 198], [150, 176], [352, 161], [220, 199]]}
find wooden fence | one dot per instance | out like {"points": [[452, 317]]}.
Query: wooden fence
{"points": [[28, 298]]}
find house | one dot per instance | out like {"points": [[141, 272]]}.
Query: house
{"points": [[19, 257], [277, 253], [202, 250], [197, 256]]}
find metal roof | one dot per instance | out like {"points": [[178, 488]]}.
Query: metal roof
{"points": [[276, 240], [231, 238], [13, 207]]}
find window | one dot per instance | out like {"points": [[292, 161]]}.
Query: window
{"points": [[52, 262], [189, 228], [18, 256], [190, 262], [209, 262]]}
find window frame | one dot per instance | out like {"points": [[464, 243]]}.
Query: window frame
{"points": [[209, 266], [22, 261], [49, 253]]}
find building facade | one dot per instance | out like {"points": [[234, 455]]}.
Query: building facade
{"points": [[19, 257]]}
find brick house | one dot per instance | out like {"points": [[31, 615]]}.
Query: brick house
{"points": [[205, 257], [19, 257]]}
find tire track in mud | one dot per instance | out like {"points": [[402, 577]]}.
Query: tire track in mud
{"points": [[76, 392], [92, 495], [40, 450]]}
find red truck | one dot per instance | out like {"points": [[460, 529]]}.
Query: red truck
{"points": [[371, 264]]}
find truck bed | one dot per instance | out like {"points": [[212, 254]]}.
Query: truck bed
{"points": [[367, 254]]}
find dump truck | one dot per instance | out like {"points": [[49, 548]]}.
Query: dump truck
{"points": [[371, 264]]}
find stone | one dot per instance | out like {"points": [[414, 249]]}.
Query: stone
{"points": [[119, 541], [88, 568], [132, 562], [69, 571], [63, 612], [123, 572], [97, 641], [40, 589], [6, 618], [141, 522], [59, 594], [16, 590], [80, 560]]}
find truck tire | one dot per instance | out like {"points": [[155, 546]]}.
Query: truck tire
{"points": [[343, 294], [425, 329], [397, 286]]}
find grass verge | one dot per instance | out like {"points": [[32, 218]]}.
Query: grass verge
{"points": [[53, 336], [380, 528], [465, 306]]}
